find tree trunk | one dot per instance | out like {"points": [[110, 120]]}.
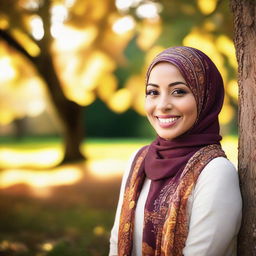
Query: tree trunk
{"points": [[69, 112], [244, 12]]}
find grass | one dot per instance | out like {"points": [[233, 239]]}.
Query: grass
{"points": [[68, 220], [47, 219]]}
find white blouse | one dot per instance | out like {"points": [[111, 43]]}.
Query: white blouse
{"points": [[214, 209]]}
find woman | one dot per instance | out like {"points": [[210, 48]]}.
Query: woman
{"points": [[181, 195]]}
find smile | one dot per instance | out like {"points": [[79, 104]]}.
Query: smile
{"points": [[167, 120]]}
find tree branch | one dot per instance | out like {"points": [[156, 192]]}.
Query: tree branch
{"points": [[15, 44]]}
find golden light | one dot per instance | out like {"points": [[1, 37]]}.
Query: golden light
{"points": [[26, 42], [81, 96], [226, 46], [59, 13], [227, 113], [205, 42], [107, 168], [42, 158], [36, 103], [25, 99], [136, 85], [232, 89], [35, 178], [124, 5], [207, 6], [6, 117], [29, 4], [102, 164], [230, 146], [4, 23], [107, 87], [120, 101], [151, 53], [98, 64], [85, 75], [67, 38], [139, 104], [37, 27], [209, 26], [123, 25], [200, 40], [36, 107], [149, 33], [149, 10], [99, 230], [47, 246], [8, 72], [69, 3]]}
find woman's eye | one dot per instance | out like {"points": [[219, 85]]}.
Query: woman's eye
{"points": [[152, 92], [179, 92]]}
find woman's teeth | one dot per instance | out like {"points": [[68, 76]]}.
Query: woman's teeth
{"points": [[167, 120]]}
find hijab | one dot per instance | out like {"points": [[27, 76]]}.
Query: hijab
{"points": [[173, 166]]}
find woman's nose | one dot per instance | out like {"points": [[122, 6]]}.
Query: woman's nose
{"points": [[164, 103]]}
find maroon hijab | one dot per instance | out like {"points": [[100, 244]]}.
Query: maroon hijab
{"points": [[174, 165], [167, 158]]}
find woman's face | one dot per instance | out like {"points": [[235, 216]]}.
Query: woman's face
{"points": [[170, 105]]}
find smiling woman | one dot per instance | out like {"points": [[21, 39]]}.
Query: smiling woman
{"points": [[180, 195], [170, 104]]}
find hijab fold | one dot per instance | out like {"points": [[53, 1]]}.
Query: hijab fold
{"points": [[173, 166]]}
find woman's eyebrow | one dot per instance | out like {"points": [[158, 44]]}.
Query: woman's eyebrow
{"points": [[171, 84]]}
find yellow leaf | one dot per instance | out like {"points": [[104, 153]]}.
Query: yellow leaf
{"points": [[205, 42], [26, 42], [120, 101], [149, 33], [4, 22], [6, 117], [152, 53], [232, 89], [226, 114], [97, 66], [136, 85], [226, 46], [8, 71], [107, 86], [207, 6]]}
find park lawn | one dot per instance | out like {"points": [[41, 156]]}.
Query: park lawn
{"points": [[64, 218], [74, 220], [61, 219]]}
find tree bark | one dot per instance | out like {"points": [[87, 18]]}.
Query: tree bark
{"points": [[244, 12]]}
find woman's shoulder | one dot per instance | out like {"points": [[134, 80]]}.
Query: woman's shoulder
{"points": [[220, 166], [219, 174]]}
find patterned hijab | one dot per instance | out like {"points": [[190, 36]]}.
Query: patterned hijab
{"points": [[173, 166]]}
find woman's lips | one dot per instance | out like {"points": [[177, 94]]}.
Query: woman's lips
{"points": [[167, 121]]}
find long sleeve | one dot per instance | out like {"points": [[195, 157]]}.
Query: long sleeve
{"points": [[215, 211], [114, 231]]}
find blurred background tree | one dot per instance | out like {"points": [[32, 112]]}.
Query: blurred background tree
{"points": [[94, 54]]}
